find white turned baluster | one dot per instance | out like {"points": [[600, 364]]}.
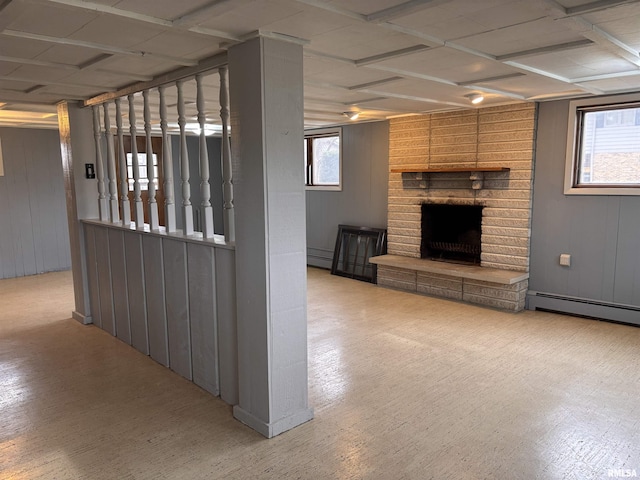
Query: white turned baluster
{"points": [[187, 208], [111, 168], [97, 134], [151, 175], [167, 167], [122, 163], [205, 188], [227, 179], [137, 194]]}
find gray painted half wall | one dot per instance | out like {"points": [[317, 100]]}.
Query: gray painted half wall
{"points": [[34, 236], [601, 233], [363, 199]]}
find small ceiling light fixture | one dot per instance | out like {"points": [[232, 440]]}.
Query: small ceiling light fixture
{"points": [[351, 115], [475, 98]]}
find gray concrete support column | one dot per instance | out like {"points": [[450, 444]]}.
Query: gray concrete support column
{"points": [[76, 145], [267, 134]]}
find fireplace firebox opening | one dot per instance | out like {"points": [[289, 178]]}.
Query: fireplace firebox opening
{"points": [[451, 233]]}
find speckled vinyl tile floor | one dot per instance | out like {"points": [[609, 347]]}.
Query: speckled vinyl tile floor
{"points": [[403, 386]]}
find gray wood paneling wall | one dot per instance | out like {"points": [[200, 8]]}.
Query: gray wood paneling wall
{"points": [[363, 199], [33, 221], [169, 298], [601, 233]]}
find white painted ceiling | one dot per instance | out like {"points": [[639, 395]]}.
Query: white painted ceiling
{"points": [[380, 57]]}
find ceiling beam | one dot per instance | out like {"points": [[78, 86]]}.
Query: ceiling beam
{"points": [[491, 79], [402, 10], [415, 98], [596, 6], [558, 47], [607, 76], [191, 17], [374, 83], [389, 55]]}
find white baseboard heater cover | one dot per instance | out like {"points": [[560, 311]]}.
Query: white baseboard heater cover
{"points": [[583, 306]]}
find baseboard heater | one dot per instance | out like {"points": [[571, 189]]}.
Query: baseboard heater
{"points": [[615, 312]]}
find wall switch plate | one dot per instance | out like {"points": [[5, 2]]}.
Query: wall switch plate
{"points": [[565, 259]]}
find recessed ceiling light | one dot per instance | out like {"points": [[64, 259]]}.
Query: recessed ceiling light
{"points": [[351, 114], [475, 98]]}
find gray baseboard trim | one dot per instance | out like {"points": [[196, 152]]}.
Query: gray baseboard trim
{"points": [[83, 319], [584, 307], [270, 430], [319, 257]]}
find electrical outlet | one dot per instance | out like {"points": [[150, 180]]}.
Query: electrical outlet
{"points": [[565, 259]]}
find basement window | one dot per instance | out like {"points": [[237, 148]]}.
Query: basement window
{"points": [[323, 159], [603, 146]]}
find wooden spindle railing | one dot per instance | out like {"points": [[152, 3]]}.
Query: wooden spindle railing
{"points": [[137, 193], [97, 135], [205, 188], [125, 207], [167, 167], [187, 208], [151, 176], [114, 215], [227, 177]]}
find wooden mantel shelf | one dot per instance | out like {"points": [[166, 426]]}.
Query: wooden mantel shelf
{"points": [[446, 169]]}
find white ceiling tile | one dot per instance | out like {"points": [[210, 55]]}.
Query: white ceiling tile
{"points": [[447, 63], [620, 84], [21, 48], [321, 69], [309, 23], [530, 35], [166, 9], [619, 13], [360, 41], [365, 7], [6, 68], [119, 32], [41, 73], [68, 55], [580, 62], [16, 86], [178, 44], [50, 19], [252, 16]]}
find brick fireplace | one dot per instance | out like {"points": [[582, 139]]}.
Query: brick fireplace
{"points": [[481, 158]]}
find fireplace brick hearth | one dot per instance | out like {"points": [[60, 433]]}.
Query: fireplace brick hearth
{"points": [[488, 137]]}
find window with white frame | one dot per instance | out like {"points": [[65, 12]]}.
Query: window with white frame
{"points": [[144, 177], [603, 146], [323, 159]]}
